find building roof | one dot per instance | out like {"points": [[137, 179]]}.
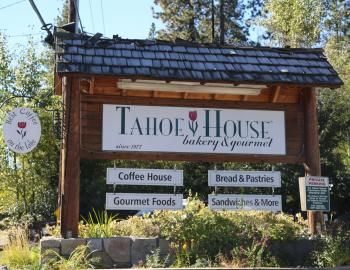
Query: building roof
{"points": [[182, 61]]}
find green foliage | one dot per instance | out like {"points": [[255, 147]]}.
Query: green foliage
{"points": [[334, 251], [192, 20], [254, 255], [334, 112], [294, 23], [98, 225], [138, 227], [6, 73], [80, 258], [197, 232], [63, 18], [337, 23], [18, 254], [155, 260], [211, 232], [28, 182]]}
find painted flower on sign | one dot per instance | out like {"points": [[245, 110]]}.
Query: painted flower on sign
{"points": [[21, 132], [192, 124], [192, 115], [21, 124]]}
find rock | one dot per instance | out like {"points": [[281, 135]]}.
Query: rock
{"points": [[140, 248], [164, 246], [103, 260], [68, 245], [118, 248], [50, 242], [94, 244]]}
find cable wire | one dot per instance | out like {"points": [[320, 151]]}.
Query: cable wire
{"points": [[92, 17], [23, 35], [10, 5], [103, 18]]}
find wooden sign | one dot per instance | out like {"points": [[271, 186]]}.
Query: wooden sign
{"points": [[244, 178], [314, 193], [140, 201], [245, 202], [128, 128], [151, 177]]}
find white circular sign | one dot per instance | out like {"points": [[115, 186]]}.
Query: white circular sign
{"points": [[22, 130]]}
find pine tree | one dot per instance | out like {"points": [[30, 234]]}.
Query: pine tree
{"points": [[192, 20], [152, 32]]}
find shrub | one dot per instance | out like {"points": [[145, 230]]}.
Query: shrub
{"points": [[254, 255], [98, 225], [18, 254], [334, 251], [155, 260], [79, 259], [138, 227], [209, 233]]}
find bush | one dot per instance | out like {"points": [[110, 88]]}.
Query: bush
{"points": [[199, 234], [18, 254], [80, 258], [138, 227], [98, 225], [254, 255], [209, 232], [334, 251]]}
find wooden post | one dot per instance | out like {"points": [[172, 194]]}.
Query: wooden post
{"points": [[312, 151], [70, 161]]}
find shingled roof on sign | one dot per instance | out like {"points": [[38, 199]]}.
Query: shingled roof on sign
{"points": [[193, 62]]}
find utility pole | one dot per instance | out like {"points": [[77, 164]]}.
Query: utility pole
{"points": [[73, 13]]}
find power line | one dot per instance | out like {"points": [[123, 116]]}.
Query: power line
{"points": [[92, 17], [10, 5], [103, 18], [23, 35]]}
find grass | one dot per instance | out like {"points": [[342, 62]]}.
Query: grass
{"points": [[98, 225], [79, 259], [18, 253]]}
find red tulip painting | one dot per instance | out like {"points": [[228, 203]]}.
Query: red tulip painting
{"points": [[192, 124], [192, 115], [22, 126]]}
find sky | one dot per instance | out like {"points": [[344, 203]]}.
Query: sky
{"points": [[127, 18]]}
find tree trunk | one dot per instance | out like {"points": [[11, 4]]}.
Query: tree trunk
{"points": [[191, 24], [212, 22], [222, 22]]}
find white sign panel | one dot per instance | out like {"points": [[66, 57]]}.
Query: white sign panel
{"points": [[245, 202], [316, 181], [192, 130], [151, 177], [244, 179], [140, 201], [22, 130]]}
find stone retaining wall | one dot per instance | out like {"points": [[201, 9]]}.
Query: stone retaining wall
{"points": [[113, 252], [130, 251]]}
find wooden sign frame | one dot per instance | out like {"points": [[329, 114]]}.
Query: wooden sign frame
{"points": [[83, 100]]}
